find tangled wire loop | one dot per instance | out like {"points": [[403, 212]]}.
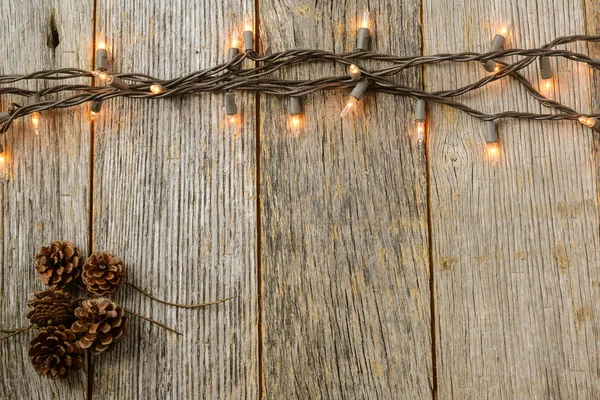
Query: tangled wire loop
{"points": [[230, 77]]}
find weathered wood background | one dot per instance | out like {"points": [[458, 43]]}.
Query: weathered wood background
{"points": [[367, 266]]}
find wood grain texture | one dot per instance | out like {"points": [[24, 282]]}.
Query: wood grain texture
{"points": [[345, 292], [174, 196], [516, 246], [44, 182]]}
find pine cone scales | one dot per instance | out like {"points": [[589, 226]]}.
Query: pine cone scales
{"points": [[103, 273], [102, 323], [58, 264], [51, 307], [55, 353]]}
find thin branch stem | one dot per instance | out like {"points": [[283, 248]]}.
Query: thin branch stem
{"points": [[153, 321], [15, 332], [188, 306]]}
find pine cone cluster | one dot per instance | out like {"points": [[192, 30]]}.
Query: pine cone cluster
{"points": [[51, 307], [103, 273], [97, 324], [102, 323], [58, 264], [54, 352]]}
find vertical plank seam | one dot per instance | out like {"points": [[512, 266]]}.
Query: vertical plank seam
{"points": [[434, 391], [258, 217], [90, 244]]}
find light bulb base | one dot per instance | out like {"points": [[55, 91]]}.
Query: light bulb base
{"points": [[231, 55], [363, 39], [248, 40], [492, 132], [230, 106], [421, 110], [101, 60], [546, 68], [117, 83], [4, 115], [295, 105], [497, 44], [95, 106], [360, 89]]}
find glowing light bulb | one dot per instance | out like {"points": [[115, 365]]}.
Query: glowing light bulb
{"points": [[248, 23], [156, 89], [35, 121], [351, 103], [546, 87], [365, 20], [2, 159], [101, 75], [589, 122], [296, 124], [354, 71], [102, 46], [420, 131], [504, 28], [493, 150], [235, 40]]}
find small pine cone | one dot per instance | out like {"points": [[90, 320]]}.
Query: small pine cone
{"points": [[54, 352], [103, 273], [102, 323], [51, 307], [58, 264]]}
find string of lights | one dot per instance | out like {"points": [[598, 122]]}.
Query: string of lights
{"points": [[234, 76]]}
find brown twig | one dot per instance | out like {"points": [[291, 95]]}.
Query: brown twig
{"points": [[14, 332], [188, 306], [52, 301], [153, 321]]}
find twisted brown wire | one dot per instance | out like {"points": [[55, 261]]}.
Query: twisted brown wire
{"points": [[229, 77]]}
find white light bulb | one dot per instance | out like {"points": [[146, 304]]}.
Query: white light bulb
{"points": [[349, 105], [365, 20], [248, 23], [420, 131]]}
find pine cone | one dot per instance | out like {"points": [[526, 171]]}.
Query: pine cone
{"points": [[102, 323], [51, 307], [55, 353], [58, 264], [103, 273]]}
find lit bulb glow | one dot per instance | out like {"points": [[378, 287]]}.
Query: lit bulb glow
{"points": [[35, 119], [351, 103], [101, 75], [365, 20], [354, 71], [546, 87], [296, 124], [102, 46], [493, 151], [504, 29], [420, 131], [2, 159], [235, 40], [589, 122], [248, 23], [156, 89]]}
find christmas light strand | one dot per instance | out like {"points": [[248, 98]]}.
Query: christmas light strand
{"points": [[251, 72]]}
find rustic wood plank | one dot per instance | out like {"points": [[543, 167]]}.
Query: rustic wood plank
{"points": [[515, 245], [44, 182], [174, 196], [345, 292]]}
